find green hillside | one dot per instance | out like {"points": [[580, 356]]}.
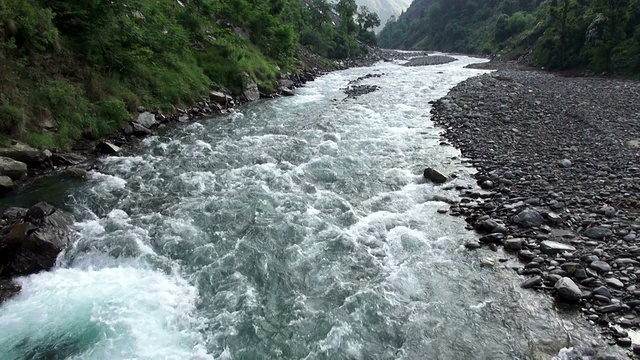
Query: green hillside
{"points": [[596, 35], [72, 69]]}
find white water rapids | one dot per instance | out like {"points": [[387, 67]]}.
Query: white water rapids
{"points": [[295, 228]]}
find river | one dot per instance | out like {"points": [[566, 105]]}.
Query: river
{"points": [[294, 228]]}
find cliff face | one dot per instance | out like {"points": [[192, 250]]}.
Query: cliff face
{"points": [[385, 8]]}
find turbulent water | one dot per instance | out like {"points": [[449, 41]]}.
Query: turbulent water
{"points": [[296, 228]]}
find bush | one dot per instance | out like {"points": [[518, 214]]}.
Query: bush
{"points": [[12, 120]]}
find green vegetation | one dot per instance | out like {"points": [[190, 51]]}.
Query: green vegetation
{"points": [[602, 36], [72, 69]]}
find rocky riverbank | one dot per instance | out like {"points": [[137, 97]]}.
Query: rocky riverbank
{"points": [[559, 160]]}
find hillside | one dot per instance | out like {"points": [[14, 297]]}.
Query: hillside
{"points": [[595, 35], [78, 69], [385, 8]]}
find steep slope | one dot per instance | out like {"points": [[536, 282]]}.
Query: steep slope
{"points": [[385, 8]]}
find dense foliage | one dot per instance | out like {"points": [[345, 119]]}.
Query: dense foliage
{"points": [[598, 35], [79, 68]]}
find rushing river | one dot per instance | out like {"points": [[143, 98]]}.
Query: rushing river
{"points": [[295, 228]]}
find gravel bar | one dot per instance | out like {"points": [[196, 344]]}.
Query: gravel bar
{"points": [[559, 160]]}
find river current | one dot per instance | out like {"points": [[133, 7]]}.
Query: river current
{"points": [[294, 228]]}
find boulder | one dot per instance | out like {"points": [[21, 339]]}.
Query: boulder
{"points": [[106, 147], [513, 244], [32, 243], [220, 98], [139, 130], [7, 289], [434, 175], [553, 247], [528, 218], [146, 119], [6, 184], [12, 168], [598, 233], [23, 153], [68, 159], [76, 173], [250, 89], [285, 91], [13, 213], [567, 290]]}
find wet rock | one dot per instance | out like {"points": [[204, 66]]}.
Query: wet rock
{"points": [[472, 245], [533, 282], [68, 159], [607, 309], [106, 147], [614, 283], [7, 289], [140, 130], [285, 91], [598, 233], [33, 243], [528, 218], [76, 173], [146, 120], [624, 341], [567, 290], [600, 266], [553, 247], [23, 153], [250, 89], [12, 168], [221, 98], [434, 175], [513, 244], [6, 184], [487, 262], [13, 213], [492, 238]]}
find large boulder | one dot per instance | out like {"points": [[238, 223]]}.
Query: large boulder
{"points": [[6, 184], [568, 290], [23, 153], [146, 119], [32, 243], [220, 98], [12, 168], [435, 175], [106, 147], [250, 89]]}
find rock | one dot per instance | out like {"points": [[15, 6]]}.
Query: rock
{"points": [[472, 245], [285, 91], [513, 244], [106, 147], [636, 349], [564, 163], [487, 262], [68, 159], [492, 238], [553, 247], [146, 119], [434, 175], [633, 144], [600, 266], [568, 290], [609, 308], [6, 184], [624, 341], [486, 185], [13, 213], [528, 218], [77, 173], [23, 153], [139, 130], [12, 168], [7, 289], [602, 291], [33, 244], [533, 282], [597, 233], [220, 98], [614, 283], [250, 89]]}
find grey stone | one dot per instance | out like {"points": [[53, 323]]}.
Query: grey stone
{"points": [[513, 244], [221, 98], [600, 266], [633, 144], [597, 233], [472, 245], [534, 281], [434, 175], [285, 91], [140, 130], [76, 173], [12, 168], [564, 163], [492, 238], [250, 89], [146, 119], [568, 290], [6, 184], [609, 308], [106, 147], [550, 247], [23, 153], [528, 218], [615, 283]]}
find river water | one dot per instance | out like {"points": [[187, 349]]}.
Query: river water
{"points": [[295, 228]]}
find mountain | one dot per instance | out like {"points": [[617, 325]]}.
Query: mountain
{"points": [[594, 35], [385, 8]]}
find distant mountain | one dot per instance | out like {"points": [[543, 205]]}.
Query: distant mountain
{"points": [[385, 8]]}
